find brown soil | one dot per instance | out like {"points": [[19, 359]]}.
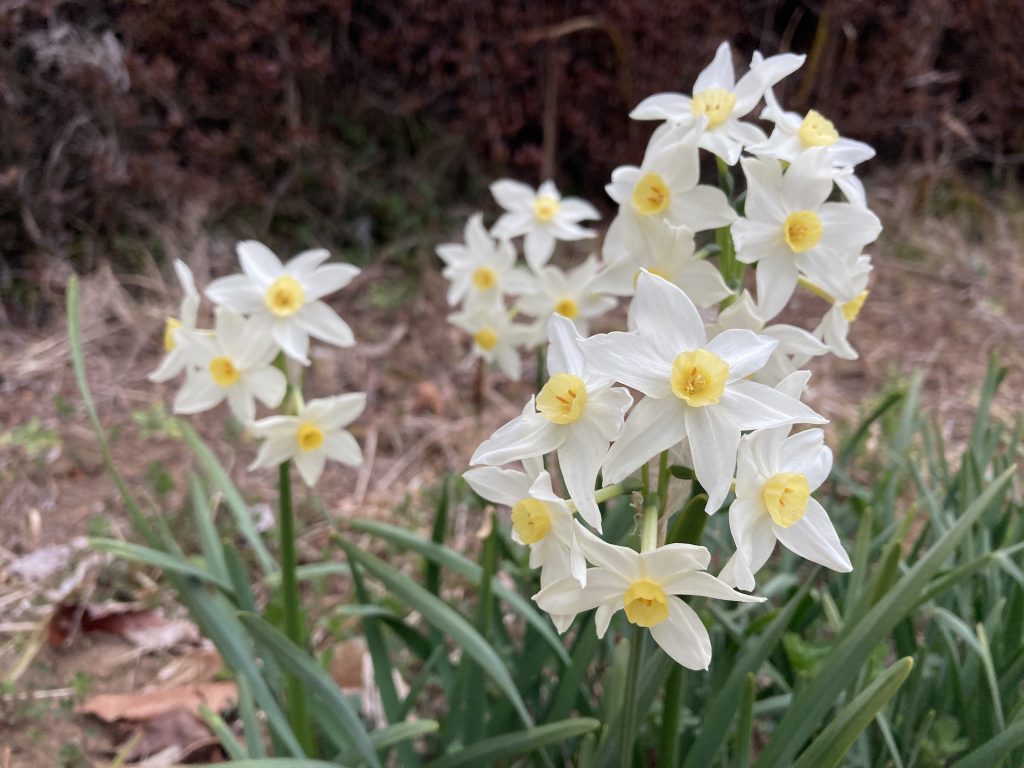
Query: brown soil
{"points": [[945, 295]]}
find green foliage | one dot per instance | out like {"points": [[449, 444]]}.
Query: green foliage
{"points": [[913, 660]]}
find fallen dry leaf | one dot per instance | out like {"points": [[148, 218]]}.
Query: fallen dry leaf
{"points": [[146, 705], [118, 619], [199, 666]]}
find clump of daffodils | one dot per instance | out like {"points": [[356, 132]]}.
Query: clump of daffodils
{"points": [[263, 322], [704, 375]]}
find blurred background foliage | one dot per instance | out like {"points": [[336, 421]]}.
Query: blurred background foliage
{"points": [[360, 124]]}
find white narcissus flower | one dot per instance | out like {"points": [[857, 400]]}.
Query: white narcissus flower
{"points": [[794, 135], [789, 227], [721, 101], [284, 300], [775, 478], [695, 388], [174, 359], [542, 216], [234, 364], [311, 438], [578, 413], [645, 585], [573, 295], [480, 268], [846, 288], [667, 251], [796, 346], [665, 188], [540, 520], [496, 338]]}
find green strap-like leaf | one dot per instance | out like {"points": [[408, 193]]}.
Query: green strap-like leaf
{"points": [[844, 662], [158, 559], [991, 753], [471, 571], [828, 749], [446, 619], [274, 762], [489, 751], [209, 540], [318, 681]]}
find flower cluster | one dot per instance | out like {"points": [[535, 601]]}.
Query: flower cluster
{"points": [[716, 397], [264, 318]]}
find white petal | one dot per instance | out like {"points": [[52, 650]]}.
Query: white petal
{"points": [[198, 393], [292, 339], [847, 227], [322, 322], [663, 106], [606, 409], [512, 195], [332, 413], [703, 207], [702, 283], [577, 209], [704, 584], [756, 406], [538, 245], [807, 182], [745, 352], [814, 538], [624, 357], [511, 225], [259, 263], [567, 597], [654, 425], [302, 265], [764, 180], [171, 365], [579, 458], [564, 354], [776, 281], [714, 439], [806, 452], [683, 636], [230, 329], [342, 447], [243, 407], [666, 318], [328, 279], [237, 292], [719, 73], [268, 384], [275, 451], [622, 561], [524, 436], [275, 426], [310, 465], [501, 486], [670, 560]]}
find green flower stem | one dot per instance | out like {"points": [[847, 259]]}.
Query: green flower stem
{"points": [[668, 748], [732, 270], [636, 648], [663, 478], [298, 703]]}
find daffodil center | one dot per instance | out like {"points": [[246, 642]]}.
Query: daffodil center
{"points": [[651, 194], [285, 296], [309, 437], [714, 103], [486, 339], [567, 307], [817, 131], [173, 324], [645, 603], [545, 207], [852, 308], [562, 399], [698, 377], [224, 372], [801, 230], [531, 520], [785, 495], [485, 278]]}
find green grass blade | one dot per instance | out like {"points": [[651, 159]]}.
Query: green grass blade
{"points": [[445, 618], [139, 554], [490, 751], [719, 712], [385, 738], [456, 563], [273, 762], [232, 497], [832, 744], [215, 722], [745, 724], [250, 721], [317, 681], [209, 541], [991, 753], [843, 663]]}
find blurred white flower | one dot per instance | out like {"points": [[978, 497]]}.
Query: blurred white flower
{"points": [[667, 251], [481, 267], [646, 586], [696, 389], [234, 364], [845, 287], [775, 478], [284, 299], [174, 359], [311, 438], [578, 413], [721, 101], [542, 216], [789, 228], [573, 295], [495, 337]]}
